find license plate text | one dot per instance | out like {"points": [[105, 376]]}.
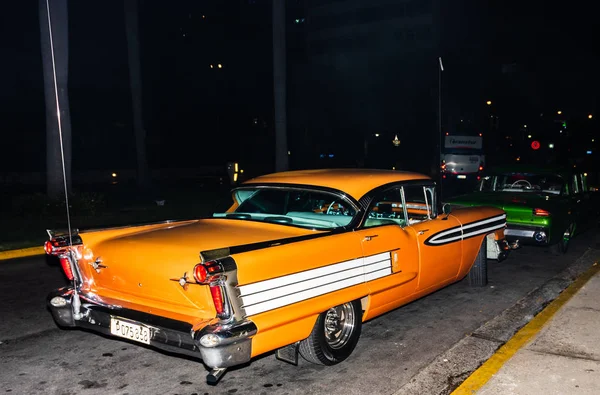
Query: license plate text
{"points": [[129, 330]]}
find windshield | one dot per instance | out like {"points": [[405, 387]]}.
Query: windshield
{"points": [[522, 182], [297, 207]]}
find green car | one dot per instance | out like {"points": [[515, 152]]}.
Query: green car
{"points": [[544, 206]]}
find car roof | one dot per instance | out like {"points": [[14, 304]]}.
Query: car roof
{"points": [[354, 182]]}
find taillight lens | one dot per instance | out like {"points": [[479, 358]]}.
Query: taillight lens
{"points": [[204, 272], [209, 273], [541, 212], [48, 247], [200, 273], [217, 296], [65, 263], [480, 168]]}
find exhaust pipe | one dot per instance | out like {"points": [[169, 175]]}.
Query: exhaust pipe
{"points": [[215, 375]]}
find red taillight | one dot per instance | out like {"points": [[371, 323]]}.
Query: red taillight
{"points": [[48, 247], [66, 266], [200, 273], [480, 168], [541, 212], [217, 296], [210, 273]]}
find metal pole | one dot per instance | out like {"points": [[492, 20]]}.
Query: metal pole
{"points": [[440, 69], [58, 116]]}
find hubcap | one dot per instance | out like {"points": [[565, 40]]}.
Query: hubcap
{"points": [[339, 325]]}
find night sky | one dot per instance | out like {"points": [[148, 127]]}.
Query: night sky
{"points": [[198, 116]]}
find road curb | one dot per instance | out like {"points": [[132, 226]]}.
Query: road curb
{"points": [[21, 253], [524, 336], [451, 368]]}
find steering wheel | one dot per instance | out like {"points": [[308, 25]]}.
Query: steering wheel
{"points": [[330, 208], [339, 210], [523, 181]]}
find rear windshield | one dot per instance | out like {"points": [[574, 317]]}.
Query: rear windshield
{"points": [[523, 182]]}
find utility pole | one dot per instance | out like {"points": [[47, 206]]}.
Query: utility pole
{"points": [[440, 69], [279, 86]]}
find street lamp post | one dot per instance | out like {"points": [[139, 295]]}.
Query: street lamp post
{"points": [[440, 69]]}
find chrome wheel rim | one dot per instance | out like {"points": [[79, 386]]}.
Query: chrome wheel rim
{"points": [[339, 325]]}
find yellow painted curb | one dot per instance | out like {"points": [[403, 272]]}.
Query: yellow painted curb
{"points": [[20, 253], [485, 372]]}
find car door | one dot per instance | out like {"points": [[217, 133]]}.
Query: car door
{"points": [[438, 237], [388, 244]]}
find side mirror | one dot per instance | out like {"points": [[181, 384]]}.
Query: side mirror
{"points": [[446, 208]]}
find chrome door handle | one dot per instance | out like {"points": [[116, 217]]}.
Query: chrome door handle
{"points": [[369, 238], [423, 231]]}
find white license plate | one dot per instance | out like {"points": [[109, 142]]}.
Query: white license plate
{"points": [[461, 176], [129, 330]]}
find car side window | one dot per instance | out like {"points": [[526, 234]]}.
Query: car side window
{"points": [[418, 201], [386, 208]]}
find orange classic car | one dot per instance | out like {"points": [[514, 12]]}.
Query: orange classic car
{"points": [[295, 265]]}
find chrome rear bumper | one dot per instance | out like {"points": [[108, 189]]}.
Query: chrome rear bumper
{"points": [[527, 234], [232, 343]]}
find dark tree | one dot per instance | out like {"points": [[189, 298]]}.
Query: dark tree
{"points": [[279, 87], [54, 35], [135, 82]]}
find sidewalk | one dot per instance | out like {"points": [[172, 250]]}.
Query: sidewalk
{"points": [[558, 352]]}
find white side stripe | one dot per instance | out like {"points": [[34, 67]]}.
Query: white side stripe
{"points": [[282, 291], [300, 286], [301, 276], [480, 231], [483, 222], [307, 294], [465, 235], [378, 274], [439, 238]]}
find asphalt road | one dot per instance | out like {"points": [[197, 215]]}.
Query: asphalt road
{"points": [[36, 357]]}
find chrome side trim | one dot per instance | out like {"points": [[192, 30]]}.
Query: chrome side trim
{"points": [[518, 232]]}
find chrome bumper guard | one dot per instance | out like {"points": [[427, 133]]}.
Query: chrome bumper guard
{"points": [[536, 235], [497, 249], [232, 344]]}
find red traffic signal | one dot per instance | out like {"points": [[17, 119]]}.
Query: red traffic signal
{"points": [[535, 144]]}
